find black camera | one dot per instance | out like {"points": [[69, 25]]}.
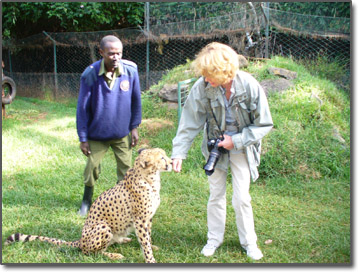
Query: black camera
{"points": [[214, 156]]}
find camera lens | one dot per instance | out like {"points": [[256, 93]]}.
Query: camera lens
{"points": [[213, 159]]}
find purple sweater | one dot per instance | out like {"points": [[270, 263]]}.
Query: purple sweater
{"points": [[104, 114]]}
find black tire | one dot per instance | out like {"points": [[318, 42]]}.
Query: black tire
{"points": [[8, 83]]}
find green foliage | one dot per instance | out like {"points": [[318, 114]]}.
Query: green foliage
{"points": [[95, 16], [313, 17], [68, 16], [168, 12], [330, 9], [301, 201]]}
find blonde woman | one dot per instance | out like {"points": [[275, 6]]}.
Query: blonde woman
{"points": [[232, 109]]}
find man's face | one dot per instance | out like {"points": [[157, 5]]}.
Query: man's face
{"points": [[112, 54]]}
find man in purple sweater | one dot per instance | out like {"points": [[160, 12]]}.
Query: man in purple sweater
{"points": [[108, 113]]}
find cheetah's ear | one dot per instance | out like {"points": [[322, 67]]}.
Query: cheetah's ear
{"points": [[143, 164], [142, 160], [145, 161], [140, 150]]}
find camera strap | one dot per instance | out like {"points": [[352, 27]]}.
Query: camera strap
{"points": [[216, 121]]}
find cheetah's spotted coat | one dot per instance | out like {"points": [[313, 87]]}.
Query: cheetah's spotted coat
{"points": [[130, 204]]}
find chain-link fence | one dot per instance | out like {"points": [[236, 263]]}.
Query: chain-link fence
{"points": [[50, 64]]}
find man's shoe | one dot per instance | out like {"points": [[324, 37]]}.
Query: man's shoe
{"points": [[85, 206], [208, 250], [87, 201], [253, 252]]}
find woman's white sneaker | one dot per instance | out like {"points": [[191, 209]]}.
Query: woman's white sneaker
{"points": [[209, 250], [253, 252]]}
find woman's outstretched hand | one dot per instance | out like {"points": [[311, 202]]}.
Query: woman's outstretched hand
{"points": [[177, 165]]}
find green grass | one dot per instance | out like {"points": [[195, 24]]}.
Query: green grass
{"points": [[301, 200]]}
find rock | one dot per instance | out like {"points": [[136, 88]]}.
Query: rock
{"points": [[172, 105], [282, 73], [169, 92], [275, 85], [242, 61]]}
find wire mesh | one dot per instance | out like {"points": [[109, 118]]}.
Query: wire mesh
{"points": [[51, 65]]}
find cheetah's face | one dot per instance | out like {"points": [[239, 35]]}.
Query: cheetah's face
{"points": [[156, 159]]}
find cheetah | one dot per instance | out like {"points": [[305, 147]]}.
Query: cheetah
{"points": [[130, 204]]}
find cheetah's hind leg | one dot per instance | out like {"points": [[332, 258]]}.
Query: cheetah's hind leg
{"points": [[123, 240], [113, 256], [97, 238], [120, 239]]}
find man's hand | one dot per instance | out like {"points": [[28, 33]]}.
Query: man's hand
{"points": [[135, 137], [85, 148]]}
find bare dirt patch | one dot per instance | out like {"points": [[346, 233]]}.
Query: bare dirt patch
{"points": [[149, 128], [154, 125], [308, 172]]}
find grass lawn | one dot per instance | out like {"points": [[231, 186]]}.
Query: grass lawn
{"points": [[301, 201]]}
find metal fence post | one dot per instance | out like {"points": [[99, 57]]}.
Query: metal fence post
{"points": [[267, 29], [55, 62], [147, 29]]}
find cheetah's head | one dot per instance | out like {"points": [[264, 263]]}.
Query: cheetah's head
{"points": [[154, 159]]}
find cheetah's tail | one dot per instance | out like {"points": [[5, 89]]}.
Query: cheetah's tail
{"points": [[18, 237]]}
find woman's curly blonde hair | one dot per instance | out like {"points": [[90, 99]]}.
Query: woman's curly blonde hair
{"points": [[217, 61]]}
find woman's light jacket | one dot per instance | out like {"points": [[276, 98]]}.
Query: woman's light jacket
{"points": [[249, 107]]}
